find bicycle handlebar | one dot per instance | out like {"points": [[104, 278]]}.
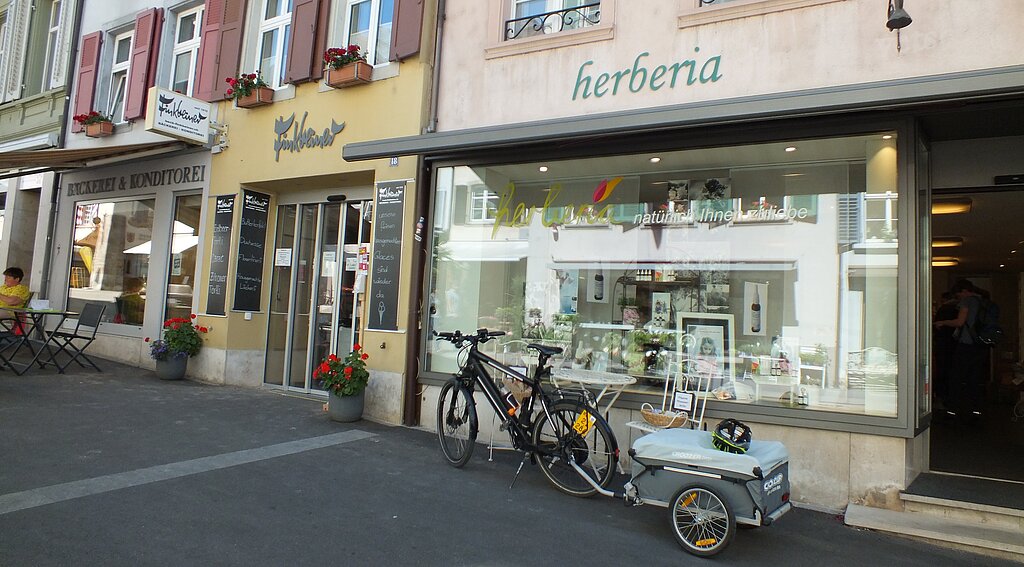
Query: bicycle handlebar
{"points": [[457, 338]]}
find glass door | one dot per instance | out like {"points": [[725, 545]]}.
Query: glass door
{"points": [[315, 297]]}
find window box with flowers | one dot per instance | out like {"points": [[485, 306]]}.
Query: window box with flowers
{"points": [[249, 90], [345, 66], [181, 340], [96, 125], [345, 381]]}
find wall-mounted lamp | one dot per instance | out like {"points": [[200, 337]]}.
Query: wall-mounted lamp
{"points": [[947, 241], [898, 18], [951, 206]]}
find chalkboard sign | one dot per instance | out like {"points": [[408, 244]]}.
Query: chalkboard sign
{"points": [[386, 262], [252, 238], [223, 217]]}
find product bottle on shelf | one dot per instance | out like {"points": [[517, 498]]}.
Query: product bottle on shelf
{"points": [[755, 312], [598, 287]]}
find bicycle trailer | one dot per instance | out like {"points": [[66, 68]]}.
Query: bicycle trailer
{"points": [[707, 490]]}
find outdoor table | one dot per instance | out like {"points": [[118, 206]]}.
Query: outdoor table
{"points": [[611, 384], [33, 330]]}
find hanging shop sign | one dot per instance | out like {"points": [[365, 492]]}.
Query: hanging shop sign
{"points": [[386, 264], [223, 218], [178, 116], [293, 136], [639, 77], [252, 239]]}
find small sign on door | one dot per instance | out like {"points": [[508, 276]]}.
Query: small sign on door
{"points": [[283, 257]]}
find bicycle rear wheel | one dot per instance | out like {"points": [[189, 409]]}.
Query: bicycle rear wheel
{"points": [[456, 423], [595, 451]]}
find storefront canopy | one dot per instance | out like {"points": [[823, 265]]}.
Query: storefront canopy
{"points": [[18, 163], [911, 92]]}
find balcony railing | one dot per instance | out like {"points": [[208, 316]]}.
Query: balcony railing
{"points": [[702, 3], [554, 22]]}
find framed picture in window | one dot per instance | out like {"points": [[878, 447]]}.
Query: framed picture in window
{"points": [[708, 342]]}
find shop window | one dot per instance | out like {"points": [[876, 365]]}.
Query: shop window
{"points": [[275, 27], [110, 258], [368, 24], [699, 12], [186, 50], [119, 76], [747, 265]]}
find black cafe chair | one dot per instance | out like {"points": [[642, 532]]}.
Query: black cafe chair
{"points": [[74, 342]]}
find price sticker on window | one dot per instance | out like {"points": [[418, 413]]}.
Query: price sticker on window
{"points": [[584, 421]]}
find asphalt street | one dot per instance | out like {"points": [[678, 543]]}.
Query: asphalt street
{"points": [[121, 468]]}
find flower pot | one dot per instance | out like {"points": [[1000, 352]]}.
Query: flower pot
{"points": [[99, 129], [351, 74], [260, 96], [172, 367], [345, 408]]}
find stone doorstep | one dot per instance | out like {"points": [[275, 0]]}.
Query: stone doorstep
{"points": [[970, 536], [970, 512]]}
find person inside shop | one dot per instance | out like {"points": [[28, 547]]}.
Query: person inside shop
{"points": [[966, 386], [943, 345]]}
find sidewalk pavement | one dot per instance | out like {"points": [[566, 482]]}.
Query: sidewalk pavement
{"points": [[121, 468]]}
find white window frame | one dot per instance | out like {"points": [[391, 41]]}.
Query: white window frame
{"points": [[692, 13], [372, 33], [483, 204], [116, 68], [52, 36], [3, 38], [190, 46], [282, 24]]}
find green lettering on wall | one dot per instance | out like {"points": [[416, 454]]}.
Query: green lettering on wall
{"points": [[635, 78]]}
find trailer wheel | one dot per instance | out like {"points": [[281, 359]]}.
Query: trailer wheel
{"points": [[701, 520]]}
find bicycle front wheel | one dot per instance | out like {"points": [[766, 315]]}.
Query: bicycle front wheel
{"points": [[456, 423], [595, 451]]}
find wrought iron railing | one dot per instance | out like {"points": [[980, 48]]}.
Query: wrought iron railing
{"points": [[702, 3], [554, 22]]}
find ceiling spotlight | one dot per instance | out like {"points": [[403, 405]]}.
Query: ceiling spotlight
{"points": [[792, 174], [543, 169], [951, 206], [947, 241], [655, 159], [1002, 265], [791, 149], [887, 137]]}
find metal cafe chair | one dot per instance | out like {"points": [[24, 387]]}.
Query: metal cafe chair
{"points": [[74, 342]]}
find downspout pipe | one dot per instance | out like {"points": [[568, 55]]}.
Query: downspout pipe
{"points": [[411, 410], [69, 82]]}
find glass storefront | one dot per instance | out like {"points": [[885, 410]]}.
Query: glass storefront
{"points": [[110, 258], [770, 269]]}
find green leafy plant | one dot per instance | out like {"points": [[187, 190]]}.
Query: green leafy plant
{"points": [[244, 85], [181, 338], [344, 376]]}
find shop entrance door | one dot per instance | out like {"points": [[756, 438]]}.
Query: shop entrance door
{"points": [[315, 305]]}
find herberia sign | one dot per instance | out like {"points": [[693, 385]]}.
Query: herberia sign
{"points": [[639, 78]]}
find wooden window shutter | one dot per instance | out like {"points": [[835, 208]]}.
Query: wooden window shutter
{"points": [[142, 70], [301, 44], [323, 24], [87, 67], [19, 18], [64, 33], [220, 48], [408, 26]]}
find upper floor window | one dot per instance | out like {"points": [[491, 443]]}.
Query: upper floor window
{"points": [[3, 33], [275, 27], [119, 76], [538, 17], [186, 50], [368, 25], [52, 30]]}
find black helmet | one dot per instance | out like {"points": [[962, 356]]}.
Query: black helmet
{"points": [[731, 436]]}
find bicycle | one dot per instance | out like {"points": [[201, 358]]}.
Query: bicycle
{"points": [[555, 429]]}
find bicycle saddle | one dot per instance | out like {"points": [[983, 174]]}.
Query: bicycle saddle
{"points": [[545, 350]]}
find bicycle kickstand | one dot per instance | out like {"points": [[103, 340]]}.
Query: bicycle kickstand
{"points": [[526, 456]]}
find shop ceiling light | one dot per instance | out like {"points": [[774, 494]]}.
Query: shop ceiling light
{"points": [[945, 261], [655, 159], [887, 137], [947, 241], [543, 169], [791, 149], [951, 206]]}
